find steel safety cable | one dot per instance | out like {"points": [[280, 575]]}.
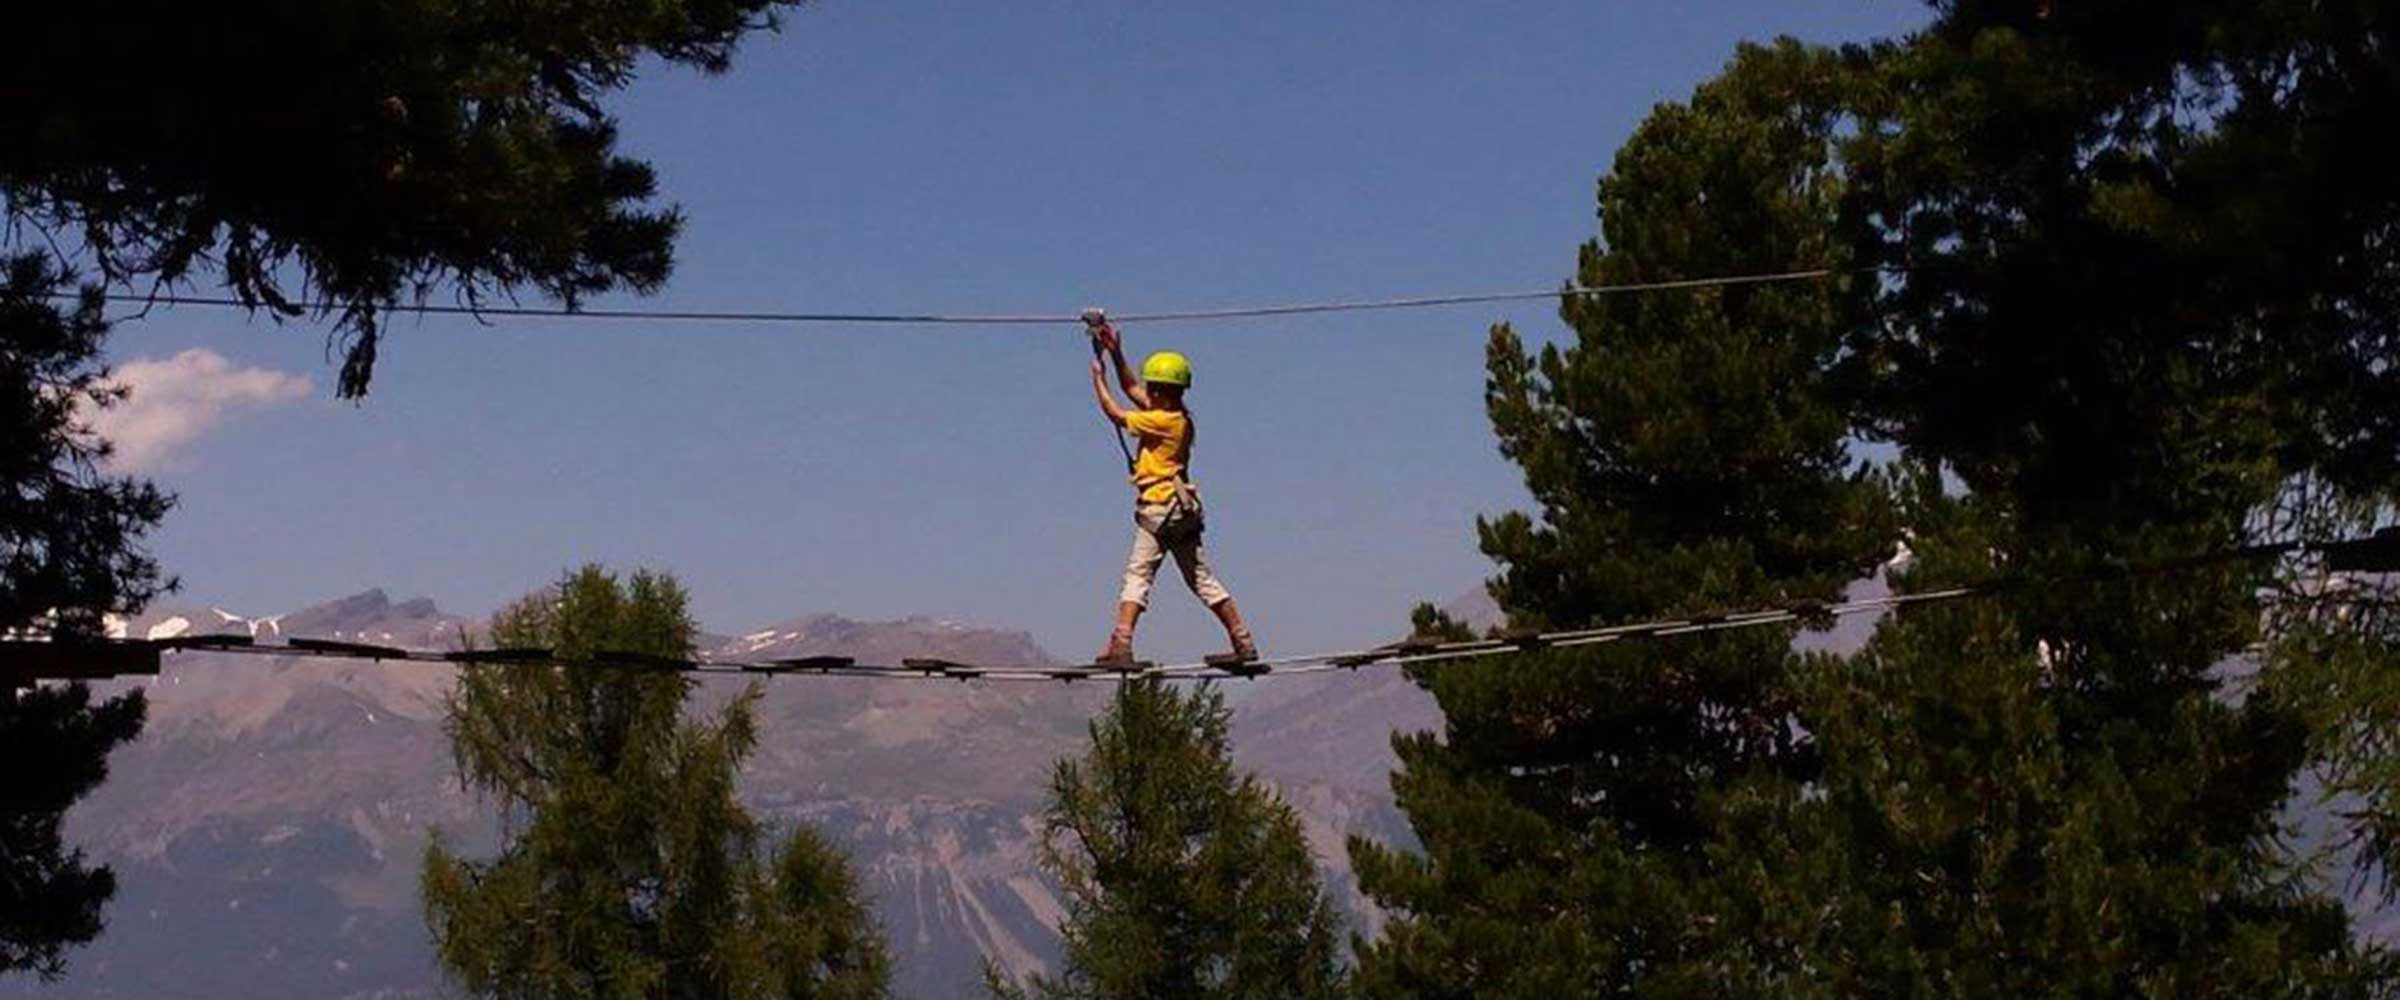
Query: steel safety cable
{"points": [[988, 319]]}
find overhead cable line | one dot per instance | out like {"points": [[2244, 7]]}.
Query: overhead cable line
{"points": [[990, 319]]}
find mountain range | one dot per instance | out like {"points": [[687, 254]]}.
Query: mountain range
{"points": [[268, 827]]}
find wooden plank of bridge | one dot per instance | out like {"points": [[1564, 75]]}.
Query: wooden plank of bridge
{"points": [[22, 664]]}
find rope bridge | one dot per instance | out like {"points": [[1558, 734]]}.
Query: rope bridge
{"points": [[85, 660], [28, 659]]}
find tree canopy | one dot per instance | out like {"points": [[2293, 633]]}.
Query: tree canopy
{"points": [[70, 555], [1184, 879], [70, 534], [349, 153], [55, 742], [2150, 308], [346, 154], [2119, 289], [1686, 452], [628, 868]]}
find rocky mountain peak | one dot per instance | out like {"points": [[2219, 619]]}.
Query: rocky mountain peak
{"points": [[883, 641]]}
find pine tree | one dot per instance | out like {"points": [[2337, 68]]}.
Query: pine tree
{"points": [[56, 743], [1183, 878], [2022, 801], [628, 868], [2053, 792], [2110, 341], [357, 154], [70, 554], [352, 153], [70, 537], [1687, 454]]}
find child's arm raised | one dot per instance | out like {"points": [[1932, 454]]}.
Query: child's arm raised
{"points": [[1108, 401], [1116, 353]]}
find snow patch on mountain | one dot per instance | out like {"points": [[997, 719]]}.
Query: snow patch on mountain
{"points": [[271, 625]]}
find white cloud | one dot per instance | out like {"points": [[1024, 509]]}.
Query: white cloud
{"points": [[176, 399]]}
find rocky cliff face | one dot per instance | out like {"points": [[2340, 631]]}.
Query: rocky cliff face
{"points": [[268, 827]]}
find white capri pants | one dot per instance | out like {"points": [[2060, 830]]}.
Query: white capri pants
{"points": [[1141, 567]]}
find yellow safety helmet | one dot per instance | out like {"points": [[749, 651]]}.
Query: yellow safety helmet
{"points": [[1168, 368]]}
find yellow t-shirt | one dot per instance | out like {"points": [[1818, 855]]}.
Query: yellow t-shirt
{"points": [[1166, 437]]}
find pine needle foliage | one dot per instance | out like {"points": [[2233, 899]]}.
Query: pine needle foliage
{"points": [[56, 741], [354, 152], [70, 533], [2020, 800], [1686, 452], [1184, 879], [2150, 309], [628, 868], [71, 554], [2070, 355]]}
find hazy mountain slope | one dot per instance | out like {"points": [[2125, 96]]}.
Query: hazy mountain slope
{"points": [[1336, 728], [268, 828]]}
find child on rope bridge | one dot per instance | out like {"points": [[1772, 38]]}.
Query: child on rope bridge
{"points": [[1166, 515]]}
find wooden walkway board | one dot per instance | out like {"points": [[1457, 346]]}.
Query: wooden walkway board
{"points": [[24, 663]]}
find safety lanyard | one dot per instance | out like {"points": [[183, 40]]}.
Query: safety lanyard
{"points": [[1115, 433]]}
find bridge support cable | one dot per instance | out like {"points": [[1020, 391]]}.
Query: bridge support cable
{"points": [[26, 659]]}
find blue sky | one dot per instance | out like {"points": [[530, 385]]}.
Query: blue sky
{"points": [[1033, 156]]}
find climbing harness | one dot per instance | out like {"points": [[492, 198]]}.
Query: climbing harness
{"points": [[1185, 517]]}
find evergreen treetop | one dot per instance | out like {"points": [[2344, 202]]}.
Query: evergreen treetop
{"points": [[628, 868], [1183, 878], [2078, 343], [71, 554]]}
